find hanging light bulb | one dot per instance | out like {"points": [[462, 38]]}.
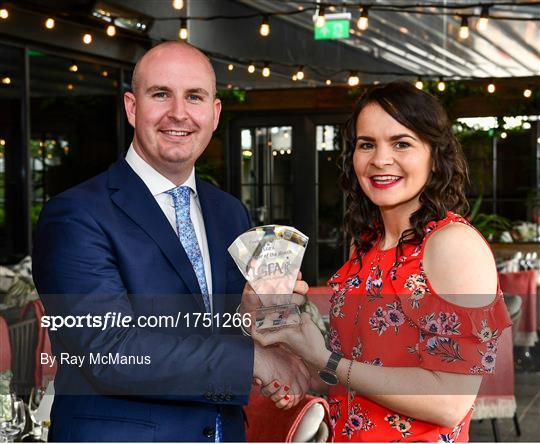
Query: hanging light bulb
{"points": [[527, 93], [251, 68], [353, 80], [183, 31], [49, 23], [294, 78], [504, 135], [87, 38], [441, 86], [419, 84], [464, 28], [264, 29], [4, 13], [491, 88], [363, 21], [300, 73], [111, 30], [328, 82], [74, 68], [230, 66], [266, 70], [178, 4], [6, 80], [321, 18], [482, 23]]}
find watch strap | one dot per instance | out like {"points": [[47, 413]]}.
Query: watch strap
{"points": [[333, 362]]}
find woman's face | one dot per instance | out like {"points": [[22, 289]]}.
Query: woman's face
{"points": [[391, 162]]}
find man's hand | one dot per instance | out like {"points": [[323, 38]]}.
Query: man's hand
{"points": [[274, 364], [251, 301]]}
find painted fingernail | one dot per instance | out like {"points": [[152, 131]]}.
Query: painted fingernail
{"points": [[276, 384], [286, 398], [286, 388]]}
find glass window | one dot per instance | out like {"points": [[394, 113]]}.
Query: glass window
{"points": [[73, 123], [12, 231], [330, 239]]}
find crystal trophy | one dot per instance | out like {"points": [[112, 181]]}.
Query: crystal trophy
{"points": [[270, 257]]}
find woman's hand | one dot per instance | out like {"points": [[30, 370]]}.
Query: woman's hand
{"points": [[304, 340]]}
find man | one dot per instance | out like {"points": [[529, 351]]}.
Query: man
{"points": [[148, 239]]}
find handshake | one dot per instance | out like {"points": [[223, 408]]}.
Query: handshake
{"points": [[282, 374]]}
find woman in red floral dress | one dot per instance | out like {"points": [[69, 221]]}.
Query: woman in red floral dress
{"points": [[416, 311]]}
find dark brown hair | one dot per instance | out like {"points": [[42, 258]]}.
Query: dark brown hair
{"points": [[445, 188]]}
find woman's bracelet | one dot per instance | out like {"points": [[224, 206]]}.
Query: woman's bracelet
{"points": [[349, 374]]}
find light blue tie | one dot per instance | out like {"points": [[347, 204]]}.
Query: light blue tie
{"points": [[188, 238]]}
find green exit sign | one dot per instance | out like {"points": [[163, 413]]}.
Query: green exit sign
{"points": [[333, 29]]}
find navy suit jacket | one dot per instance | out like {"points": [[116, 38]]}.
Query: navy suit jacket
{"points": [[106, 246]]}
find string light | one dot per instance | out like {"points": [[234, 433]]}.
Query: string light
{"points": [[328, 82], [6, 80], [419, 84], [264, 29], [363, 21], [482, 23], [491, 88], [230, 66], [87, 38], [183, 31], [294, 78], [300, 73], [178, 4], [504, 135], [74, 68], [353, 80], [441, 86], [111, 30], [266, 70], [70, 87], [49, 23], [105, 73], [464, 28], [527, 93], [320, 21], [251, 68], [4, 13]]}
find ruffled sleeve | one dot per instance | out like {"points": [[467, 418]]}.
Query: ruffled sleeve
{"points": [[452, 338], [456, 339]]}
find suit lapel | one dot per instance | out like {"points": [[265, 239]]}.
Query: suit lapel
{"points": [[213, 218], [132, 196]]}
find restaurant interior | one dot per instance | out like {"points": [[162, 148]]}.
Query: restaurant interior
{"points": [[288, 75]]}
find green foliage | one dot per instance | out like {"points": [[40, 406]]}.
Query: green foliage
{"points": [[232, 95], [490, 225]]}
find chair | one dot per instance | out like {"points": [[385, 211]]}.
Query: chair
{"points": [[496, 396], [523, 283], [5, 347]]}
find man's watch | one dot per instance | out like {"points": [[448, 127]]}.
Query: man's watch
{"points": [[328, 373]]}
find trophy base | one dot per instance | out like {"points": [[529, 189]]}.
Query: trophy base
{"points": [[277, 316]]}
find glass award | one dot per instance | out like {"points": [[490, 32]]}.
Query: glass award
{"points": [[270, 257]]}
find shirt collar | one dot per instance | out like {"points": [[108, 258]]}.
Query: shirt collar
{"points": [[155, 181]]}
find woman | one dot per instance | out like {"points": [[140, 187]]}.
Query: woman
{"points": [[416, 310]]}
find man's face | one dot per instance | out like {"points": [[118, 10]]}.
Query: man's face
{"points": [[173, 109]]}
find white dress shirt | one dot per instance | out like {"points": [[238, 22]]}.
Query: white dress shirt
{"points": [[158, 186]]}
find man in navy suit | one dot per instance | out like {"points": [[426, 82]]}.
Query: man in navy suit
{"points": [[148, 238]]}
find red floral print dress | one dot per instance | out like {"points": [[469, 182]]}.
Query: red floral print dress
{"points": [[386, 313]]}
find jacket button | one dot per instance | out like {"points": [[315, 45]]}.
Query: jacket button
{"points": [[209, 431]]}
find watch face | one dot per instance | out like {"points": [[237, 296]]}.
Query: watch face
{"points": [[328, 378]]}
